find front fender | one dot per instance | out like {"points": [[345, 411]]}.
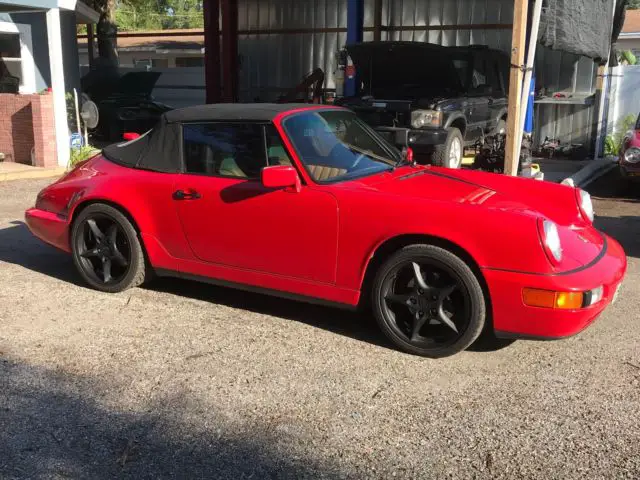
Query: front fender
{"points": [[453, 117]]}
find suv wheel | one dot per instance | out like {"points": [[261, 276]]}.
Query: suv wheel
{"points": [[450, 153]]}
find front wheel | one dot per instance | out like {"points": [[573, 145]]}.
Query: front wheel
{"points": [[106, 249], [428, 301], [450, 153]]}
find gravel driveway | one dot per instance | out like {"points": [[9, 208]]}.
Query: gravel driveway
{"points": [[192, 381]]}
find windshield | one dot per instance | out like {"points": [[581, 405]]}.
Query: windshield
{"points": [[336, 145], [402, 71]]}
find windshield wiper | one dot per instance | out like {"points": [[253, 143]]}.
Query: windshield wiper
{"points": [[367, 153]]}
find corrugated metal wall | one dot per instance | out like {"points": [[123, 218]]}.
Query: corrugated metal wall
{"points": [[307, 34], [270, 62], [560, 71]]}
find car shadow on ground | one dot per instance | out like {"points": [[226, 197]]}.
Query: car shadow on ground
{"points": [[625, 229], [54, 426], [619, 198], [355, 324], [18, 246]]}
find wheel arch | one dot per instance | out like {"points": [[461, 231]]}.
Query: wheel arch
{"points": [[83, 204], [393, 244], [459, 122]]}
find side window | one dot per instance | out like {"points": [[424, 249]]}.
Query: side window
{"points": [[225, 150], [479, 77], [462, 68], [638, 123], [276, 151]]}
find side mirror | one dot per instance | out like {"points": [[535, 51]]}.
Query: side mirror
{"points": [[281, 176]]}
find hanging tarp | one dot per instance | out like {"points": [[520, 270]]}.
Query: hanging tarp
{"points": [[583, 27]]}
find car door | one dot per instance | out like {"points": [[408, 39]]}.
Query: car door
{"points": [[230, 218]]}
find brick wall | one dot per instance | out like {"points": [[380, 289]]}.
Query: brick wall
{"points": [[26, 124]]}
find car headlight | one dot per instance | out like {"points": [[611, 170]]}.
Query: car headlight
{"points": [[632, 155], [585, 204], [426, 118], [551, 240]]}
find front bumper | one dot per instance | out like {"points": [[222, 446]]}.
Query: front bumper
{"points": [[49, 227], [513, 319], [629, 169], [419, 140]]}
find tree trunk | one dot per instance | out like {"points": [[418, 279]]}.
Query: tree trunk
{"points": [[107, 32]]}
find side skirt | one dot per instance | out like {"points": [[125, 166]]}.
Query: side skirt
{"points": [[519, 336], [161, 272]]}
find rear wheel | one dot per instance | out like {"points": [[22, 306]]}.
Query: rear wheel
{"points": [[106, 249], [450, 153], [428, 301]]}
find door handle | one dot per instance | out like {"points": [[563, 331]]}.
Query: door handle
{"points": [[186, 195]]}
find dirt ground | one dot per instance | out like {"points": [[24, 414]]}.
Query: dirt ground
{"points": [[185, 380]]}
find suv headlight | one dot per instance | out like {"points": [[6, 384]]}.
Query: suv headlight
{"points": [[585, 204], [426, 118], [550, 240], [632, 155]]}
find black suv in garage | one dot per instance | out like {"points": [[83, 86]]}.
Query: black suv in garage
{"points": [[434, 99]]}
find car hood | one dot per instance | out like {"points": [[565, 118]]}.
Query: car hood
{"points": [[479, 188], [581, 242], [101, 84]]}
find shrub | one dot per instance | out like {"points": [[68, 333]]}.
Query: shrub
{"points": [[613, 142], [81, 154]]}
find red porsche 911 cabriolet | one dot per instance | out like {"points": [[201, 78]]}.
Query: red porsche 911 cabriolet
{"points": [[309, 202]]}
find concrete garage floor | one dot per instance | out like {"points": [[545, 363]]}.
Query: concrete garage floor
{"points": [[190, 381]]}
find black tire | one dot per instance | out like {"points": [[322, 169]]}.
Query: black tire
{"points": [[128, 273], [392, 319], [501, 127], [442, 153]]}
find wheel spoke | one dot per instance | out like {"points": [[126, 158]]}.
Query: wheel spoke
{"points": [[443, 317], [399, 299], [418, 323], [90, 253], [112, 233], [106, 270], [418, 276], [97, 233], [446, 291], [119, 258]]}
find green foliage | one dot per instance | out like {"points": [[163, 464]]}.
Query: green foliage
{"points": [[634, 5], [132, 15], [612, 143], [71, 112], [81, 154], [628, 57]]}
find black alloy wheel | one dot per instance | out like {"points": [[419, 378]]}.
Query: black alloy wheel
{"points": [[428, 301], [106, 249]]}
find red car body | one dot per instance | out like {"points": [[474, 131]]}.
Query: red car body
{"points": [[317, 241], [629, 160]]}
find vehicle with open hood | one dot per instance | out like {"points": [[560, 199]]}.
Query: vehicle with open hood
{"points": [[437, 100], [125, 103]]}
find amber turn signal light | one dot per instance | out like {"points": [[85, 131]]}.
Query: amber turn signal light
{"points": [[534, 297]]}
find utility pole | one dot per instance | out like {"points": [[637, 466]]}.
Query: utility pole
{"points": [[518, 47]]}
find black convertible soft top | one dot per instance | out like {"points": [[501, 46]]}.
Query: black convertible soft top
{"points": [[160, 149]]}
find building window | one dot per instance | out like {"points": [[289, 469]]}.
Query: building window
{"points": [[10, 63], [189, 61], [142, 63], [160, 63]]}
